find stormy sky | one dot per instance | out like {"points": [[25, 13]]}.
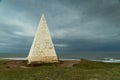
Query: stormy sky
{"points": [[75, 25]]}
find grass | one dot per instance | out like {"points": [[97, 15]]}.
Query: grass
{"points": [[86, 70]]}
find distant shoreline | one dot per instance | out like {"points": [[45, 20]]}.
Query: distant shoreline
{"points": [[89, 56], [26, 59], [106, 60], [15, 58]]}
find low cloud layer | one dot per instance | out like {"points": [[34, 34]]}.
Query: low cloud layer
{"points": [[75, 25]]}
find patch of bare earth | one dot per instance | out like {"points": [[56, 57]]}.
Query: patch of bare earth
{"points": [[23, 64], [16, 63], [69, 63]]}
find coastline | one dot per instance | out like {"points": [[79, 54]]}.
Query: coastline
{"points": [[106, 60], [26, 59]]}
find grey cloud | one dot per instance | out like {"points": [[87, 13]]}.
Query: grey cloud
{"points": [[83, 45], [94, 9], [104, 14], [82, 25], [10, 42]]}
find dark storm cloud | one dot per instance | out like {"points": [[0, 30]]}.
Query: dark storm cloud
{"points": [[75, 25], [105, 10], [95, 9], [84, 45]]}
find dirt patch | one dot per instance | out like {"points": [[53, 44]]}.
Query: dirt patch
{"points": [[23, 64], [69, 63], [15, 63]]}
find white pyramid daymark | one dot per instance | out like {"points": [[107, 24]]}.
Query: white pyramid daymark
{"points": [[42, 49]]}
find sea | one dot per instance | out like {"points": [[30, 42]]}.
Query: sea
{"points": [[95, 56]]}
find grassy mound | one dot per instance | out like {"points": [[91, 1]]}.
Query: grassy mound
{"points": [[85, 70]]}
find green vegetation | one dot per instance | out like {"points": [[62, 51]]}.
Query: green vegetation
{"points": [[86, 70]]}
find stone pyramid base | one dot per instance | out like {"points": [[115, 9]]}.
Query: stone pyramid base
{"points": [[44, 59]]}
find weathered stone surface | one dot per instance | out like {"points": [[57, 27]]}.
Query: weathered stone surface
{"points": [[42, 49]]}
